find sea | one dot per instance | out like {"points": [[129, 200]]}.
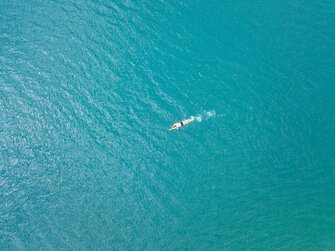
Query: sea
{"points": [[89, 89]]}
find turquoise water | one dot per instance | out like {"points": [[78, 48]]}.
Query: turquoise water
{"points": [[89, 88]]}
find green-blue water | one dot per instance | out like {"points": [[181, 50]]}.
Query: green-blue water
{"points": [[88, 90]]}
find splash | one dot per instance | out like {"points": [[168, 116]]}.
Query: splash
{"points": [[202, 116]]}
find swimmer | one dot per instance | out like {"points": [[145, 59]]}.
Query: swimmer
{"points": [[181, 123]]}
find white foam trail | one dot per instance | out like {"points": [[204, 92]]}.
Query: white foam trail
{"points": [[205, 115], [210, 113]]}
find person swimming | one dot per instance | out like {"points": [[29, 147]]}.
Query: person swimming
{"points": [[180, 124]]}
